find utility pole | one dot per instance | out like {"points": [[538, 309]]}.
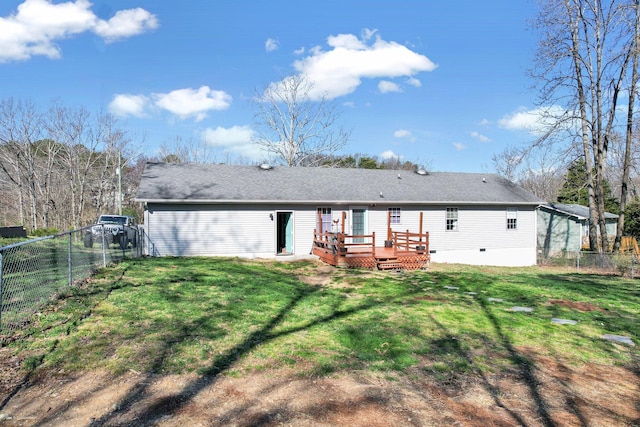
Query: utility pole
{"points": [[119, 173]]}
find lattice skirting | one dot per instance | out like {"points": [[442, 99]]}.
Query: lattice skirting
{"points": [[414, 262], [359, 262], [406, 262]]}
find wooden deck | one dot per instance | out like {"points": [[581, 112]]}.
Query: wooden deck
{"points": [[410, 251]]}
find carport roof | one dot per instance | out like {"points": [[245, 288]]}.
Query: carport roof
{"points": [[578, 211]]}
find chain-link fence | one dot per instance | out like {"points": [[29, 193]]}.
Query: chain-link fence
{"points": [[34, 272], [623, 264]]}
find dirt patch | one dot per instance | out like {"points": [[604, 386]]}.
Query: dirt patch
{"points": [[327, 275], [547, 393], [580, 306]]}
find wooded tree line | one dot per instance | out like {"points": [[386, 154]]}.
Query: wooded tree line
{"points": [[59, 167]]}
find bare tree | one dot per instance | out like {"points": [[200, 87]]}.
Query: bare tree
{"points": [[632, 90], [581, 64], [117, 154], [20, 129], [72, 129], [179, 150], [295, 128], [538, 169], [507, 163], [544, 177]]}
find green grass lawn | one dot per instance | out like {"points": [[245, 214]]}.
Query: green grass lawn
{"points": [[212, 315]]}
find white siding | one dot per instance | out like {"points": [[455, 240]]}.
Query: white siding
{"points": [[304, 222], [224, 230], [482, 236], [201, 230], [248, 231]]}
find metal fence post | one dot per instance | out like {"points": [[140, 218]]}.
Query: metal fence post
{"points": [[578, 261], [104, 249], [70, 262], [633, 264]]}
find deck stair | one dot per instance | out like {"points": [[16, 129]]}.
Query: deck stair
{"points": [[389, 264]]}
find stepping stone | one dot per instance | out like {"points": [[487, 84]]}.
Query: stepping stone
{"points": [[522, 309], [618, 338], [494, 299], [471, 293], [452, 287], [564, 321]]}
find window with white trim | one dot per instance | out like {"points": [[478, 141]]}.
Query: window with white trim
{"points": [[452, 219], [324, 219], [512, 218], [394, 214]]}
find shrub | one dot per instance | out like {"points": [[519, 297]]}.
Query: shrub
{"points": [[42, 232]]}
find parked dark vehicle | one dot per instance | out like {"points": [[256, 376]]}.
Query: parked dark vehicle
{"points": [[118, 229]]}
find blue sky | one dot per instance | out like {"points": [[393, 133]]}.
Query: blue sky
{"points": [[440, 83]]}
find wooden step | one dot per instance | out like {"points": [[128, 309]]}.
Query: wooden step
{"points": [[389, 264]]}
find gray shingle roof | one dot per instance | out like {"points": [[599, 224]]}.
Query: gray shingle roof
{"points": [[199, 183], [579, 211]]}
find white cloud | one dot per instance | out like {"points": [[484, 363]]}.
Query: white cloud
{"points": [[195, 103], [271, 44], [129, 105], [341, 69], [386, 86], [459, 146], [386, 155], [483, 122], [536, 121], [236, 139], [184, 103], [406, 134], [37, 25], [414, 82], [126, 23], [299, 51], [479, 136]]}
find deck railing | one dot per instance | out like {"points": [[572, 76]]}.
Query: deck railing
{"points": [[405, 241], [342, 244]]}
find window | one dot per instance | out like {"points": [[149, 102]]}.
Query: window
{"points": [[512, 218], [452, 219], [324, 219], [394, 214]]}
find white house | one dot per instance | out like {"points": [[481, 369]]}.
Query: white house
{"points": [[267, 212]]}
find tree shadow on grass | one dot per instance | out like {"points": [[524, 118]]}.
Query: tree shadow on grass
{"points": [[170, 404], [451, 344], [525, 367]]}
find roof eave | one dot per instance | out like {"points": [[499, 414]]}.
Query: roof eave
{"points": [[320, 202]]}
